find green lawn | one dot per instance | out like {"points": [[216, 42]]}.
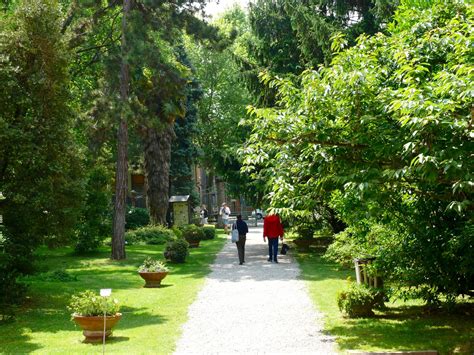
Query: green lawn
{"points": [[404, 326], [151, 317]]}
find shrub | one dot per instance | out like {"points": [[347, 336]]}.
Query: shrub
{"points": [[52, 276], [12, 293], [209, 233], [360, 300], [88, 304], [305, 231], [95, 222], [137, 217], [344, 249], [192, 233], [150, 235], [151, 265], [177, 250]]}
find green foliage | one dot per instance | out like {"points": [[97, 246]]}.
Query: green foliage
{"points": [[12, 293], [192, 233], [184, 152], [95, 224], [359, 300], [383, 137], [177, 250], [401, 325], [40, 162], [137, 217], [153, 235], [53, 276], [152, 265], [222, 105], [209, 233], [89, 304], [344, 249]]}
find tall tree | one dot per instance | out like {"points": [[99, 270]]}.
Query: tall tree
{"points": [[121, 176], [223, 104], [40, 162], [184, 153], [382, 134], [159, 84]]}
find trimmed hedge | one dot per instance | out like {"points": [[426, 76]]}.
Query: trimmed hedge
{"points": [[136, 217], [150, 235], [192, 233], [209, 233]]}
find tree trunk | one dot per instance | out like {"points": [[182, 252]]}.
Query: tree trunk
{"points": [[157, 149], [121, 176]]}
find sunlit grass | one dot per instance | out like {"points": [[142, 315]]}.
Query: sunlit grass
{"points": [[151, 317], [403, 326]]}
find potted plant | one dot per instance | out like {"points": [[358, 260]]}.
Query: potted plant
{"points": [[176, 250], [153, 272], [88, 311], [360, 300], [193, 235]]}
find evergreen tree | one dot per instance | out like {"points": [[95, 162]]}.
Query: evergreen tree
{"points": [[184, 154], [40, 163]]}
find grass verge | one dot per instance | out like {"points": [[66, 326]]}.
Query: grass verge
{"points": [[151, 319], [403, 326]]}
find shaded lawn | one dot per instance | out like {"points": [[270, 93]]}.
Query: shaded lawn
{"points": [[151, 318], [403, 326]]}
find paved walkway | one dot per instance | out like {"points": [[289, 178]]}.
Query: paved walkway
{"points": [[259, 307]]}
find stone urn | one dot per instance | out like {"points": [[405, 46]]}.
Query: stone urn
{"points": [[153, 279], [93, 326]]}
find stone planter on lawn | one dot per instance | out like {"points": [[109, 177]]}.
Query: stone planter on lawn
{"points": [[93, 326], [153, 279]]}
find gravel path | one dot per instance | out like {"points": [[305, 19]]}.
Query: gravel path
{"points": [[259, 307]]}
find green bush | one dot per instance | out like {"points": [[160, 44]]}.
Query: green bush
{"points": [[95, 222], [192, 233], [177, 250], [344, 249], [152, 235], [52, 276], [209, 233], [89, 304], [136, 217], [360, 300], [305, 231], [12, 293]]}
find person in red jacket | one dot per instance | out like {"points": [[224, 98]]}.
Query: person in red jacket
{"points": [[272, 229]]}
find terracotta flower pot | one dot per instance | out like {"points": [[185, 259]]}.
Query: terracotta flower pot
{"points": [[153, 279], [93, 326]]}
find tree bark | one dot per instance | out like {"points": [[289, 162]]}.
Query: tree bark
{"points": [[121, 176], [157, 149]]}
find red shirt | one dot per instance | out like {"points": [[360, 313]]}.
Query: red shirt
{"points": [[272, 227]]}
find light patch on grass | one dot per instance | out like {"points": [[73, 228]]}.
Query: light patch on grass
{"points": [[403, 326], [152, 318]]}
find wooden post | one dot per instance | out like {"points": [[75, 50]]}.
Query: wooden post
{"points": [[357, 270]]}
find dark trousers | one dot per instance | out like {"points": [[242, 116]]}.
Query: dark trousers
{"points": [[272, 248], [241, 247]]}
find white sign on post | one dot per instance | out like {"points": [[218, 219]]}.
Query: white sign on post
{"points": [[105, 292]]}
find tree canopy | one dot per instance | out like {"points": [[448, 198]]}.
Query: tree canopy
{"points": [[384, 136]]}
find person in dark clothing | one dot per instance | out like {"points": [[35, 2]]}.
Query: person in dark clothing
{"points": [[243, 230]]}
